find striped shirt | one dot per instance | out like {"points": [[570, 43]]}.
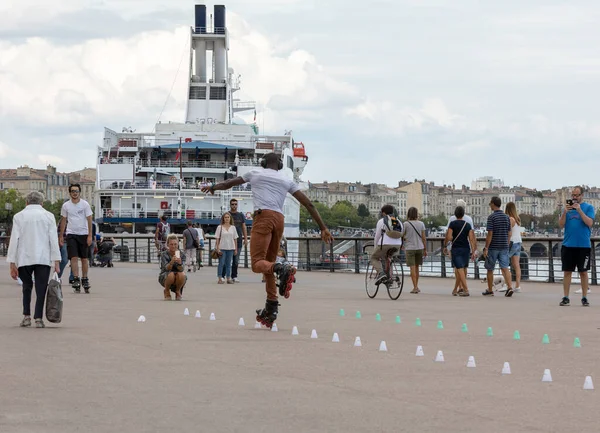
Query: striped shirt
{"points": [[499, 224]]}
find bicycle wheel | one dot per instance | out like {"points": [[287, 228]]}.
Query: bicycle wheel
{"points": [[370, 278], [396, 283]]}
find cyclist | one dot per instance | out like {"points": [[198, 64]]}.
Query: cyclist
{"points": [[388, 235]]}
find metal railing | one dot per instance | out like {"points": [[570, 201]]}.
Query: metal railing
{"points": [[539, 262]]}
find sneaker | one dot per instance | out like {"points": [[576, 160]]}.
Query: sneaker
{"points": [[504, 288], [39, 323], [236, 280], [585, 302], [517, 290], [25, 322], [565, 302], [579, 291], [380, 277], [221, 281]]}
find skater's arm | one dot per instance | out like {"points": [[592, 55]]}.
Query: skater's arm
{"points": [[63, 223], [223, 185], [89, 238], [312, 210], [245, 233]]}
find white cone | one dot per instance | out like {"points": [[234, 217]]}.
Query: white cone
{"points": [[274, 328], [336, 338], [357, 342], [295, 330], [142, 318], [241, 322], [547, 376], [419, 351], [471, 362], [313, 334], [439, 357], [383, 346], [212, 316], [186, 312], [257, 325], [198, 315], [588, 384], [506, 368]]}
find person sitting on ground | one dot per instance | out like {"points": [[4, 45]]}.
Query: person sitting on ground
{"points": [[172, 276], [384, 242]]}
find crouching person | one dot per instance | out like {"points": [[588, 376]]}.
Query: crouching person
{"points": [[172, 261]]}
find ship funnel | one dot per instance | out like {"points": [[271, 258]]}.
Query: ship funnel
{"points": [[220, 19], [200, 26]]}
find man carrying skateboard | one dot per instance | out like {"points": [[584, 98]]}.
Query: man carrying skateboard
{"points": [[269, 190]]}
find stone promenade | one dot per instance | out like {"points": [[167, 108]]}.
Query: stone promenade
{"points": [[102, 371]]}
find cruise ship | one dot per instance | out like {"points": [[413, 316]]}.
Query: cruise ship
{"points": [[142, 176]]}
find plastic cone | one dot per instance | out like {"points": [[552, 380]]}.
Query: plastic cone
{"points": [[212, 316], [378, 317], [257, 325], [295, 330], [383, 346], [274, 328], [198, 315], [440, 325], [418, 322], [517, 335], [471, 362], [398, 319], [342, 312], [546, 339], [357, 342], [336, 338], [358, 316], [419, 351], [186, 312], [439, 357], [506, 368], [547, 377], [577, 343], [142, 318], [464, 328], [241, 322], [588, 384], [490, 332], [313, 334]]}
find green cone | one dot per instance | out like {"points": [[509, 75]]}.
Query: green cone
{"points": [[342, 312], [398, 319], [490, 333], [464, 328], [440, 325], [358, 316], [546, 339], [418, 322], [516, 335], [576, 342], [378, 317]]}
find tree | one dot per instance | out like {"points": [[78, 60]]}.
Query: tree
{"points": [[363, 211], [15, 202], [54, 208], [435, 221]]}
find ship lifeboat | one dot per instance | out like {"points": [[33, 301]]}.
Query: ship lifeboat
{"points": [[299, 151]]}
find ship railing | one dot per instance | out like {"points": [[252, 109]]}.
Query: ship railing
{"points": [[116, 160], [150, 185], [195, 164], [540, 261]]}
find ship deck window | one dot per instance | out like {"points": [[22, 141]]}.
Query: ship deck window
{"points": [[217, 93]]}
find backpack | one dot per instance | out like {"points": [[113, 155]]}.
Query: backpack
{"points": [[163, 231], [392, 227]]}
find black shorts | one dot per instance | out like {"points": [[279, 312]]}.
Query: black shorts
{"points": [[77, 246], [575, 257]]}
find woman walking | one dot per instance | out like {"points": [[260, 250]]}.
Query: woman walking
{"points": [[172, 277], [460, 233], [514, 250], [414, 245], [226, 247]]}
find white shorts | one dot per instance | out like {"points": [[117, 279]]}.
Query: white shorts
{"points": [[190, 256]]}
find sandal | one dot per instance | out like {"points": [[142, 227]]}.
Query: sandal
{"points": [[487, 293], [415, 291], [464, 293]]}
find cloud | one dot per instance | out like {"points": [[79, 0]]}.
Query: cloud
{"points": [[50, 159]]}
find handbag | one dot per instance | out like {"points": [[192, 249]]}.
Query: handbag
{"points": [[449, 245], [54, 300]]}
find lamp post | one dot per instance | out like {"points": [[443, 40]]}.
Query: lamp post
{"points": [[533, 206]]}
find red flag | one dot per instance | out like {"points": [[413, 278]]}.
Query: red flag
{"points": [[178, 154]]}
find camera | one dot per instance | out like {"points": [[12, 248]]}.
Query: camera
{"points": [[570, 202]]}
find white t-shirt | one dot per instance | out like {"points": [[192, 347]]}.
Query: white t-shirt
{"points": [[228, 237], [270, 188], [76, 215], [200, 233], [466, 218], [380, 230]]}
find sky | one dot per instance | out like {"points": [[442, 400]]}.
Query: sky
{"points": [[378, 91]]}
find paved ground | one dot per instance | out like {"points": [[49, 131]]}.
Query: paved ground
{"points": [[101, 371]]}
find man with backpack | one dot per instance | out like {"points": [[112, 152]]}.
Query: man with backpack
{"points": [[388, 235]]}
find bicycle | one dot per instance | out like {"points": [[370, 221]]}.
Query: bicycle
{"points": [[394, 279]]}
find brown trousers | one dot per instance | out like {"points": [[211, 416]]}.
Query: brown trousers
{"points": [[265, 240]]}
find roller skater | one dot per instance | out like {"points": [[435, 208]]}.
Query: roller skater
{"points": [[270, 187]]}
